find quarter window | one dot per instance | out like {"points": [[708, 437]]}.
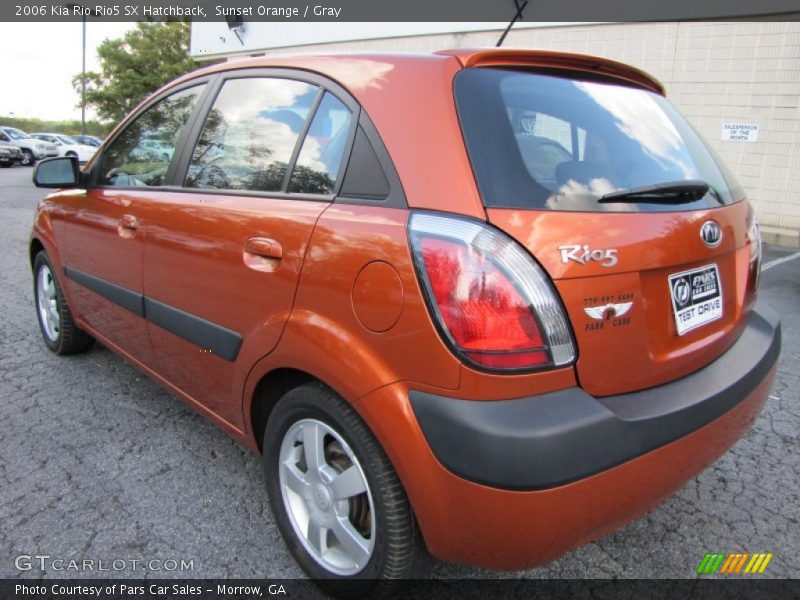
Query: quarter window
{"points": [[130, 161], [250, 135]]}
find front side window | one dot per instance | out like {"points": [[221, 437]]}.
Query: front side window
{"points": [[128, 162], [250, 134], [543, 141]]}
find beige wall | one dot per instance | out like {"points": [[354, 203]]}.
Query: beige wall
{"points": [[714, 72]]}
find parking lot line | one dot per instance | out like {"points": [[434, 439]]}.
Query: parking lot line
{"points": [[779, 261]]}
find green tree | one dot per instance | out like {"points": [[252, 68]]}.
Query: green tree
{"points": [[133, 67]]}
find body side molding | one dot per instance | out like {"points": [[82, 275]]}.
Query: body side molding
{"points": [[220, 340]]}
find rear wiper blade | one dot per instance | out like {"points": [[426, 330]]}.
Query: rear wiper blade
{"points": [[668, 192]]}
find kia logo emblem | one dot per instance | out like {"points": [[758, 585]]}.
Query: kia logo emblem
{"points": [[711, 233]]}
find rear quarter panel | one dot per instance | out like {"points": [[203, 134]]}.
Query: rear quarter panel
{"points": [[325, 336]]}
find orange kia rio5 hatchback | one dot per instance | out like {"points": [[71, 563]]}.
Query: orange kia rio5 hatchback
{"points": [[491, 304]]}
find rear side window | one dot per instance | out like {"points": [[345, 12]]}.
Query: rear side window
{"points": [[541, 141], [130, 161], [250, 134], [320, 157]]}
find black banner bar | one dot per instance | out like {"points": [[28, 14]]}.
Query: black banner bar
{"points": [[500, 11], [741, 587]]}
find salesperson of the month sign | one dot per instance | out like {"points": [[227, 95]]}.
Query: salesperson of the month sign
{"points": [[740, 132]]}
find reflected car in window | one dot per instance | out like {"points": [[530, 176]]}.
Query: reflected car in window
{"points": [[88, 140]]}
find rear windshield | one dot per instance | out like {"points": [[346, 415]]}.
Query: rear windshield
{"points": [[542, 141]]}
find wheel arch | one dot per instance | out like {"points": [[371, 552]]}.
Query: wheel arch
{"points": [[35, 247], [270, 388], [303, 354], [43, 236]]}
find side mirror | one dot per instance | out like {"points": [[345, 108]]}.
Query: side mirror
{"points": [[59, 172]]}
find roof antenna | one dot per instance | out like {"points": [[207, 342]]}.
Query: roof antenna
{"points": [[517, 17]]}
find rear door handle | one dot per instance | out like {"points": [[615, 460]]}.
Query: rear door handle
{"points": [[264, 247]]}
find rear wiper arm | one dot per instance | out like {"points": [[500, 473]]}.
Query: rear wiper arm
{"points": [[668, 192]]}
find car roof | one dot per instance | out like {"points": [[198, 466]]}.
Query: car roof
{"points": [[409, 98], [358, 70]]}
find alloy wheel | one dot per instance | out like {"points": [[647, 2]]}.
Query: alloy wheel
{"points": [[47, 301], [327, 497]]}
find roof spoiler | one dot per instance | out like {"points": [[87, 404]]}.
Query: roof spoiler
{"points": [[494, 57]]}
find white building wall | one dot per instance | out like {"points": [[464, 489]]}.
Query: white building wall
{"points": [[714, 72]]}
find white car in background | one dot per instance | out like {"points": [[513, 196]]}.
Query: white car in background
{"points": [[32, 149], [67, 146]]}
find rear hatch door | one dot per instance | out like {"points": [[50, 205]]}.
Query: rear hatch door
{"points": [[639, 225]]}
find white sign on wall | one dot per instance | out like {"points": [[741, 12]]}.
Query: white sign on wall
{"points": [[740, 132]]}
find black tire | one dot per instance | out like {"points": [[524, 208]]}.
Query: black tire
{"points": [[5, 165], [399, 551], [28, 159], [70, 338]]}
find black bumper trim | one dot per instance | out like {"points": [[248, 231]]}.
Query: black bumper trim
{"points": [[552, 439]]}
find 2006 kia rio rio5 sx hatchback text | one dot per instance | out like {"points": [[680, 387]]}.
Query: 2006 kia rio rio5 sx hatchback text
{"points": [[493, 304]]}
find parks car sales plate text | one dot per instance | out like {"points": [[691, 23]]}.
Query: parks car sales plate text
{"points": [[696, 297]]}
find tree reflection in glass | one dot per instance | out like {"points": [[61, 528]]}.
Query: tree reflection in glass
{"points": [[130, 161], [250, 134], [321, 155]]}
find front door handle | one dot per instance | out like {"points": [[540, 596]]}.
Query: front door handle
{"points": [[127, 226], [128, 222], [264, 247]]}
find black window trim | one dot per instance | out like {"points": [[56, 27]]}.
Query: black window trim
{"points": [[322, 83], [301, 139], [179, 164]]}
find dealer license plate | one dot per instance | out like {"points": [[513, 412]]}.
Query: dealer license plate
{"points": [[696, 297]]}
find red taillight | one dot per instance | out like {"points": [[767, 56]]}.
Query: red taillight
{"points": [[753, 239], [492, 301], [483, 311]]}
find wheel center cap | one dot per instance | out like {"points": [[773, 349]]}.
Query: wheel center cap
{"points": [[322, 496]]}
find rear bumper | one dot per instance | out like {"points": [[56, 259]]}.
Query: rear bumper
{"points": [[548, 440], [472, 522]]}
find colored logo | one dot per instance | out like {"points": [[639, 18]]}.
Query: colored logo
{"points": [[608, 311], [734, 563]]}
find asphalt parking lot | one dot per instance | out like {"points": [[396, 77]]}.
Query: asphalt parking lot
{"points": [[97, 462]]}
